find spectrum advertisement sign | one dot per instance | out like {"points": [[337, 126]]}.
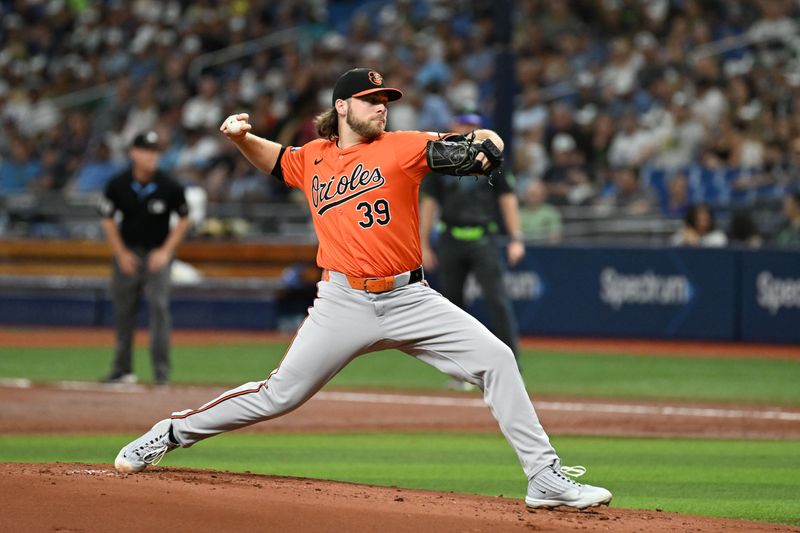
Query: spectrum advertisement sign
{"points": [[770, 296], [619, 292]]}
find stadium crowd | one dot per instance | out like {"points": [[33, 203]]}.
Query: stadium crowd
{"points": [[638, 106]]}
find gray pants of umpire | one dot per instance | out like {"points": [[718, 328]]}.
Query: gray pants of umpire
{"points": [[456, 260], [126, 295]]}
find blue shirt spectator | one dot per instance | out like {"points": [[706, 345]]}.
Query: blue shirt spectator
{"points": [[94, 173], [20, 170]]}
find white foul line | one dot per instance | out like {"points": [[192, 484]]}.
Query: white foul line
{"points": [[450, 401], [584, 407]]}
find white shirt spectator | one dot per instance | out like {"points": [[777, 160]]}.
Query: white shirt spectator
{"points": [[197, 154], [629, 149], [532, 113], [203, 110], [680, 138], [710, 106], [630, 145], [620, 74], [714, 239], [752, 153]]}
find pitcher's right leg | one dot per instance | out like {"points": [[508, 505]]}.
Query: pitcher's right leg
{"points": [[340, 326]]}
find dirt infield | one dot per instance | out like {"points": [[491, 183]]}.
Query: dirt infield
{"points": [[90, 498], [95, 498]]}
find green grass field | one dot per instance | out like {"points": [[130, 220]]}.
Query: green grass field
{"points": [[758, 381], [738, 479]]}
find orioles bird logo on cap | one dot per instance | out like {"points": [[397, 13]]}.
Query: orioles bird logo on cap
{"points": [[375, 78]]}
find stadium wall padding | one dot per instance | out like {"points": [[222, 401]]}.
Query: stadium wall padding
{"points": [[659, 293]]}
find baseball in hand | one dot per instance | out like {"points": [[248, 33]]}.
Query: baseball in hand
{"points": [[234, 125]]}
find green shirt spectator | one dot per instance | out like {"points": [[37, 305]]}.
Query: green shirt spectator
{"points": [[789, 235], [539, 220]]}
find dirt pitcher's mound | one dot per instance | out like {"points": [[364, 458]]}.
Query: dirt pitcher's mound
{"points": [[82, 497]]}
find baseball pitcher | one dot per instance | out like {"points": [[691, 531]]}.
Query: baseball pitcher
{"points": [[362, 185]]}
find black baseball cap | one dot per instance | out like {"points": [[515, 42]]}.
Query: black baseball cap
{"points": [[361, 82], [147, 140]]}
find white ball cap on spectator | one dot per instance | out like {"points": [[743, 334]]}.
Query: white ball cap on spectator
{"points": [[563, 142], [645, 39], [585, 79], [680, 99]]}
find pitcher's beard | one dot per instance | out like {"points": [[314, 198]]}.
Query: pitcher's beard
{"points": [[365, 129]]}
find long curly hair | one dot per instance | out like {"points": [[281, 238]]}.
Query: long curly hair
{"points": [[327, 124]]}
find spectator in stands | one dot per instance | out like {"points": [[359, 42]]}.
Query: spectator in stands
{"points": [[204, 110], [652, 67], [634, 61], [530, 157], [626, 195], [699, 229], [435, 114], [561, 120], [743, 230], [602, 135], [710, 103], [566, 180], [631, 145], [39, 114], [531, 113], [93, 175], [143, 246], [540, 221], [18, 173], [724, 145], [789, 234], [680, 137], [194, 156], [53, 173], [619, 77], [144, 113], [677, 199]]}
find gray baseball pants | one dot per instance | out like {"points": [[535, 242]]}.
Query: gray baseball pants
{"points": [[126, 295], [345, 323]]}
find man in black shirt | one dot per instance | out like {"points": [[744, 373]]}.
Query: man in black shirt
{"points": [[468, 236], [136, 210]]}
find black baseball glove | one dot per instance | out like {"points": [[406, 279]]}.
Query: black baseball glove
{"points": [[456, 155]]}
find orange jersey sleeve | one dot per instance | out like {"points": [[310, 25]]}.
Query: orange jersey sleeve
{"points": [[363, 200]]}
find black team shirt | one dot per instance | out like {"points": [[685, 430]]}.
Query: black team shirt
{"points": [[145, 209]]}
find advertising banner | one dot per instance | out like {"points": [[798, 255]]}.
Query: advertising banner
{"points": [[770, 291], [619, 292]]}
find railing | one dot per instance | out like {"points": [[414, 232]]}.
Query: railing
{"points": [[83, 96], [755, 35], [237, 51], [53, 216]]}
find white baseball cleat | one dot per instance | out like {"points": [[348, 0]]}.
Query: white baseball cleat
{"points": [[551, 488], [147, 450]]}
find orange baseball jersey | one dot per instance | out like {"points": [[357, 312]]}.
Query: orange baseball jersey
{"points": [[363, 200]]}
